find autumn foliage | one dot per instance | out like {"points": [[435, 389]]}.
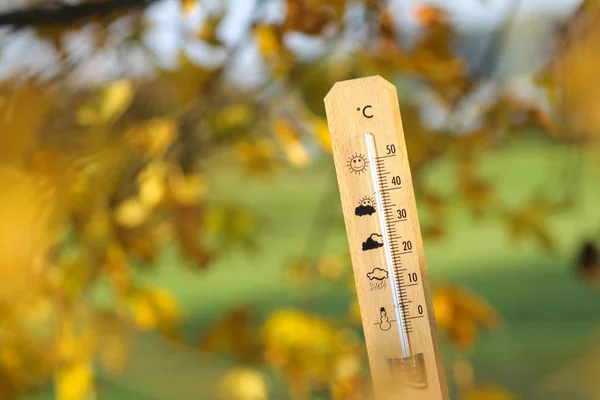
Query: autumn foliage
{"points": [[101, 171]]}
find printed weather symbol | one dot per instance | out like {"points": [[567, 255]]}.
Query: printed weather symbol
{"points": [[357, 163], [384, 321], [378, 274], [373, 242], [365, 207]]}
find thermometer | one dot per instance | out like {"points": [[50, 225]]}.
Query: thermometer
{"points": [[385, 242]]}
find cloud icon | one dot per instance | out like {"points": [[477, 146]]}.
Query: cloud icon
{"points": [[373, 242], [377, 273]]}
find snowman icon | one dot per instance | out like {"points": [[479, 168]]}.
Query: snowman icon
{"points": [[384, 322]]}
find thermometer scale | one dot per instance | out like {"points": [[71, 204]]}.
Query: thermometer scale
{"points": [[385, 242]]}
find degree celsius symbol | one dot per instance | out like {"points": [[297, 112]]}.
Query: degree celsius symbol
{"points": [[366, 111]]}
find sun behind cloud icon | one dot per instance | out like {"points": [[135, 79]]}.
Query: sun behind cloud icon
{"points": [[365, 207], [378, 274]]}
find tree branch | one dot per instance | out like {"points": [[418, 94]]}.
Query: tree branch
{"points": [[59, 14]]}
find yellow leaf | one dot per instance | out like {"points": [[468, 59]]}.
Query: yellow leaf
{"points": [[188, 5], [429, 15], [75, 381], [289, 138], [489, 393], [144, 315], [113, 352], [23, 111], [234, 116], [321, 131], [459, 314], [576, 70], [131, 213], [310, 18], [155, 136], [337, 5], [208, 32], [257, 156], [155, 309], [235, 333], [187, 189], [86, 115], [267, 40], [152, 183], [115, 100], [186, 82], [531, 220], [243, 384]]}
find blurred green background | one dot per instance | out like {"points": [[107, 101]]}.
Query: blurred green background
{"points": [[170, 214]]}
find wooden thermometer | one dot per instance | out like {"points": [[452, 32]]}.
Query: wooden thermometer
{"points": [[385, 240]]}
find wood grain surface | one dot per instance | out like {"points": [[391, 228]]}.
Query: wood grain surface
{"points": [[415, 371]]}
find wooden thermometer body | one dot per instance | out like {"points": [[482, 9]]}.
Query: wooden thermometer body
{"points": [[385, 240]]}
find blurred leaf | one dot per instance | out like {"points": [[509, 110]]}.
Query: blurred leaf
{"points": [[243, 384], [477, 193], [531, 220], [151, 183], [230, 226], [269, 40], [290, 139], [321, 131], [459, 313], [309, 17], [155, 309], [574, 71], [113, 102], [185, 83], [429, 15], [208, 32], [233, 333], [188, 5], [74, 381], [308, 350], [131, 213], [23, 111], [257, 156], [154, 137], [187, 220], [489, 393], [186, 189]]}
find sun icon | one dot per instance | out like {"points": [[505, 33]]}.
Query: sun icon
{"points": [[357, 163]]}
